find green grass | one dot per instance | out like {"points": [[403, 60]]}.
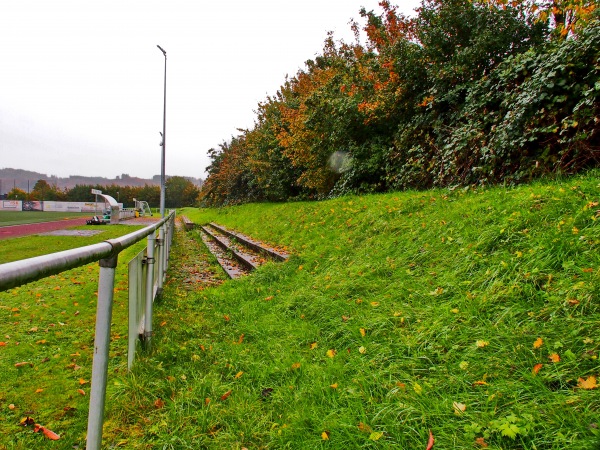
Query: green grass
{"points": [[35, 245], [49, 325], [400, 289], [8, 218], [397, 314]]}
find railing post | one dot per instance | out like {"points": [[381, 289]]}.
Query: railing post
{"points": [[161, 259], [150, 260], [106, 285]]}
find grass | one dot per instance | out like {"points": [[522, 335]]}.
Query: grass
{"points": [[49, 326], [470, 313], [9, 218], [398, 314], [35, 245]]}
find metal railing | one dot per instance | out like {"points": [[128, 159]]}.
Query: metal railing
{"points": [[17, 273]]}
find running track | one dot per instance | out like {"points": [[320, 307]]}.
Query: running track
{"points": [[35, 228]]}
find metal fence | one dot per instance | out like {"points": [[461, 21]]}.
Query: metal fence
{"points": [[146, 277]]}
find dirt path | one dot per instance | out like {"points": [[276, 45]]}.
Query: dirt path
{"points": [[193, 266], [35, 228]]}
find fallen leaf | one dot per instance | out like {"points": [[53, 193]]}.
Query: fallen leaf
{"points": [[226, 317], [206, 401], [324, 434], [376, 435], [331, 353], [459, 408], [374, 304], [590, 383], [24, 363], [81, 391], [537, 368], [295, 366], [48, 433], [431, 441], [266, 392], [238, 375], [37, 391], [313, 345], [363, 332], [163, 323], [362, 350], [11, 406], [269, 298], [481, 344], [538, 343], [481, 442], [554, 357], [364, 427], [225, 395], [241, 339], [159, 403], [26, 421], [2, 344], [333, 386]]}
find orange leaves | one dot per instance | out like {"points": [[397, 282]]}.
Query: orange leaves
{"points": [[331, 353], [48, 433], [538, 343], [430, 442], [537, 368], [554, 357], [589, 383], [226, 395], [159, 403]]}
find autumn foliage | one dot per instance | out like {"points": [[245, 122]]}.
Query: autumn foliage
{"points": [[464, 92]]}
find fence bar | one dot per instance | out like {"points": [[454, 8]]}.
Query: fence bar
{"points": [[149, 291], [106, 284]]}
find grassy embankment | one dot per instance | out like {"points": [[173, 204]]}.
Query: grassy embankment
{"points": [[473, 314]]}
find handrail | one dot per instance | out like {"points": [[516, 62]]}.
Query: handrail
{"points": [[17, 273]]}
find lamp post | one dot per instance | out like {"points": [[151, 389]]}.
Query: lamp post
{"points": [[164, 140]]}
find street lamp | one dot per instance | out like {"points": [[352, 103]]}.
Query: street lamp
{"points": [[164, 140]]}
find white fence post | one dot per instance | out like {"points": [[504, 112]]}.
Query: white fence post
{"points": [[106, 284], [150, 261]]}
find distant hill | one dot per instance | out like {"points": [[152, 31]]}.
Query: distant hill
{"points": [[26, 179]]}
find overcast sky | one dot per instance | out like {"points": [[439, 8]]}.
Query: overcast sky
{"points": [[81, 82]]}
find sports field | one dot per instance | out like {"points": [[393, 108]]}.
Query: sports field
{"points": [[8, 218]]}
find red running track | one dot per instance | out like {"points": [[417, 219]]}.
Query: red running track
{"points": [[35, 228]]}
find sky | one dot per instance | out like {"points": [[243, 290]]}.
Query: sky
{"points": [[81, 82]]}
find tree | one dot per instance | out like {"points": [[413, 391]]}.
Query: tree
{"points": [[180, 192]]}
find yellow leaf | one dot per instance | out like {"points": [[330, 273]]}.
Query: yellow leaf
{"points": [[363, 332], [325, 435], [313, 345], [590, 383], [554, 357], [37, 391], [331, 353], [538, 343], [82, 381], [238, 375], [333, 386], [295, 366], [482, 344], [362, 350], [537, 368], [459, 408], [375, 436], [374, 304], [417, 388]]}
